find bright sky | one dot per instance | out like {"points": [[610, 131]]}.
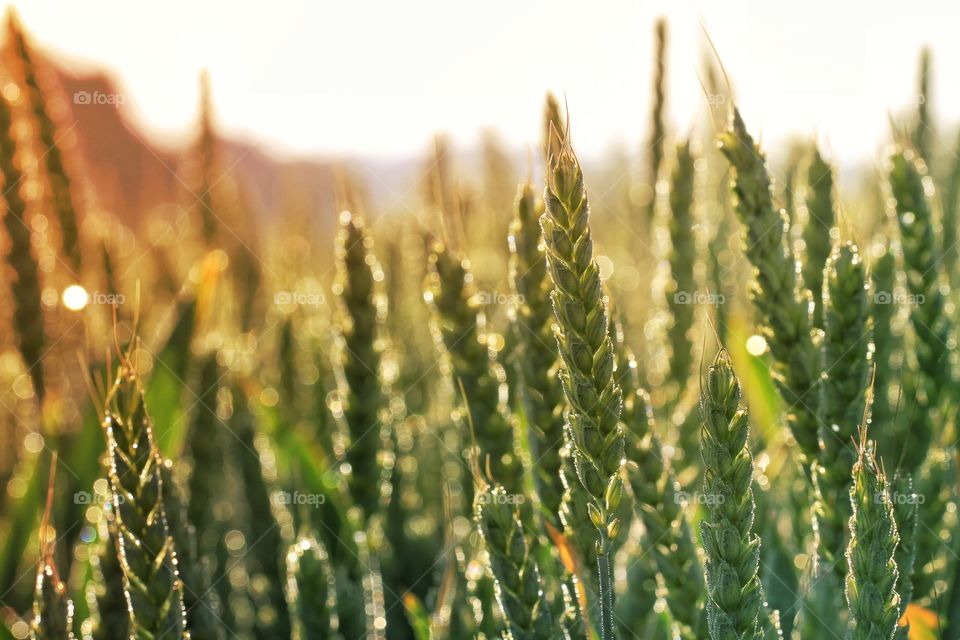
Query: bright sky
{"points": [[358, 76]]}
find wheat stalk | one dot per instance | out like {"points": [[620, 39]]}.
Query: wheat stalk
{"points": [[732, 548], [593, 398]]}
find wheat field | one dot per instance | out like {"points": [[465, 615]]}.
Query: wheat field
{"points": [[487, 412]]}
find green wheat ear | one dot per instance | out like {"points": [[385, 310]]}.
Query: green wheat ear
{"points": [[816, 233], [540, 393], [52, 155], [457, 318], [106, 589], [732, 548], [682, 259], [358, 364], [871, 568], [783, 309], [519, 589], [928, 382], [147, 554], [25, 289], [843, 396], [593, 398]]}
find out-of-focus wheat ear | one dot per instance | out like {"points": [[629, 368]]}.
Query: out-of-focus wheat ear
{"points": [[202, 603], [519, 589], [362, 390], [105, 592], [906, 512], [950, 199], [474, 371], [668, 539], [311, 591], [817, 239], [682, 258], [266, 529], [922, 128], [732, 549], [147, 554], [928, 380], [872, 600], [541, 394], [658, 128], [25, 288], [207, 448], [887, 345], [843, 397], [593, 397], [206, 157], [52, 608], [50, 149], [783, 309]]}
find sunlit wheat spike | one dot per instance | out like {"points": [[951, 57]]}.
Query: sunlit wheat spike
{"points": [[843, 395], [511, 560], [147, 555], [593, 398], [783, 309], [734, 593], [25, 288], [817, 240], [871, 568], [358, 364], [57, 177]]}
